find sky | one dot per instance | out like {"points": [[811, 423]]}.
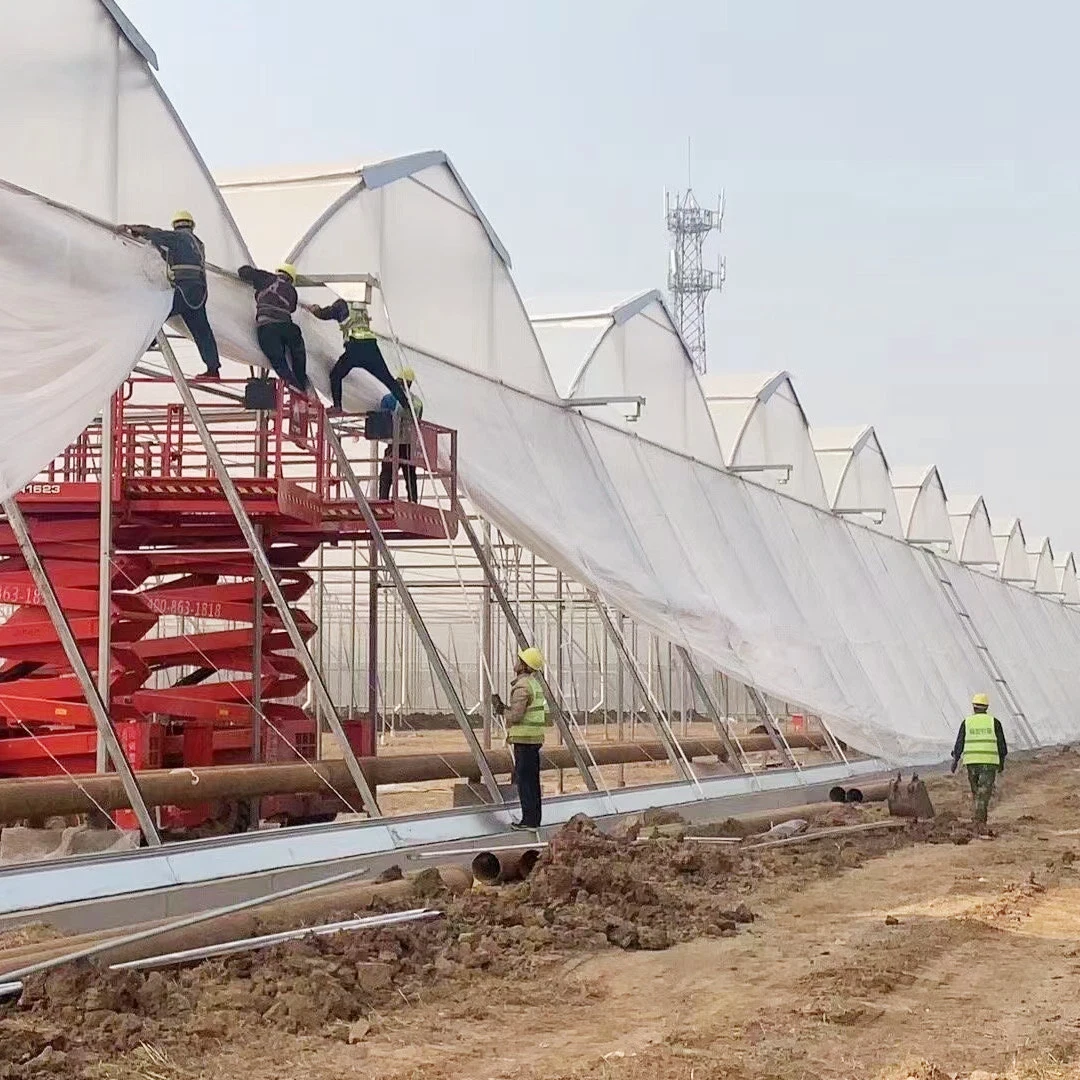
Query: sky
{"points": [[902, 182]]}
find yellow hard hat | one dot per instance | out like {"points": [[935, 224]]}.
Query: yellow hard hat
{"points": [[532, 657], [407, 375], [980, 699], [288, 270], [183, 217]]}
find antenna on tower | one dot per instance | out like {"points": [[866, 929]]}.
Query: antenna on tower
{"points": [[689, 283]]}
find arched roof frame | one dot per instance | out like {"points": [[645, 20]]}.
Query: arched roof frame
{"points": [[1044, 574], [1068, 586], [638, 351], [1013, 562], [118, 151], [855, 473], [924, 512], [764, 434], [973, 538], [452, 298]]}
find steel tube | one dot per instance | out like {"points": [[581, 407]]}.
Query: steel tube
{"points": [[21, 799], [495, 867]]}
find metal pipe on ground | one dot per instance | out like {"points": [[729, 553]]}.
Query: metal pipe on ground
{"points": [[229, 924], [498, 867], [22, 799]]}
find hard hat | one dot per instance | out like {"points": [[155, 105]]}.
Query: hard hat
{"points": [[407, 375], [980, 699], [531, 657], [288, 270], [183, 217]]}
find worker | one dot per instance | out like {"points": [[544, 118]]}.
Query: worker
{"points": [[406, 419], [980, 744], [279, 337], [185, 257], [361, 348], [525, 718]]}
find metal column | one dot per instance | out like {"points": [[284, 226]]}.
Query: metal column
{"points": [[698, 682], [105, 555], [105, 731], [434, 659], [236, 504], [561, 720], [486, 652], [674, 751], [766, 716], [373, 638]]}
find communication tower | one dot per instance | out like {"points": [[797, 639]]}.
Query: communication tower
{"points": [[689, 282]]}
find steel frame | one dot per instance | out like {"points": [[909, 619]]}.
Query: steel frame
{"points": [[74, 656], [268, 577]]}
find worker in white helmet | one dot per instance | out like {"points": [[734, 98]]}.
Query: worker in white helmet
{"points": [[525, 719], [980, 745]]}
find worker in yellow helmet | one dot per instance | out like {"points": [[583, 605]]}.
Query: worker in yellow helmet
{"points": [[185, 259], [279, 337], [407, 417], [361, 348], [525, 719], [980, 745]]}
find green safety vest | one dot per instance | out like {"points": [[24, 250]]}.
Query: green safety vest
{"points": [[531, 728], [980, 742], [357, 326]]}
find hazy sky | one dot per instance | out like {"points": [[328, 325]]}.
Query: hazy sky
{"points": [[902, 182]]}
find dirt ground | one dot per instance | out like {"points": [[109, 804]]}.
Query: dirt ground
{"points": [[912, 953]]}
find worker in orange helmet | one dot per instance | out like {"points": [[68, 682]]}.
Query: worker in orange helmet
{"points": [[980, 744], [525, 719]]}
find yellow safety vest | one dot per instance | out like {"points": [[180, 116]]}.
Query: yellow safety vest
{"points": [[357, 326], [531, 728], [980, 741]]}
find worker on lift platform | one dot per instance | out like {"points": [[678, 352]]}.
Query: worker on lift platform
{"points": [[279, 337], [185, 257], [361, 347], [525, 720], [408, 415]]}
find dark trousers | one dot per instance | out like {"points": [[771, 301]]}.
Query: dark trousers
{"points": [[283, 345], [189, 303], [386, 472], [367, 355], [981, 778], [527, 781]]}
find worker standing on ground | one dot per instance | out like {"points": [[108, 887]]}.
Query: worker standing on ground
{"points": [[185, 257], [361, 348], [279, 337], [406, 418], [525, 719], [980, 744]]}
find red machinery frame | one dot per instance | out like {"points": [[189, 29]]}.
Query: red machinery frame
{"points": [[180, 698]]}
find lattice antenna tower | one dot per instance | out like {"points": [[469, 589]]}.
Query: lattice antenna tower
{"points": [[689, 282]]}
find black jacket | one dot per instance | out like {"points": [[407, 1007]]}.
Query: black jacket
{"points": [[275, 296], [181, 248], [1003, 750]]}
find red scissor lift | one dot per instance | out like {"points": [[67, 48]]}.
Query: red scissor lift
{"points": [[182, 591]]}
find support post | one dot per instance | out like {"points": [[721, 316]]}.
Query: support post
{"points": [[373, 637], [765, 714], [561, 720], [434, 659], [486, 652], [89, 688], [674, 752], [105, 556], [236, 504], [710, 707]]}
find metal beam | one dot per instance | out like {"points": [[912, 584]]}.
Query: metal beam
{"points": [[266, 572], [658, 721], [82, 672], [562, 721], [434, 659], [105, 555], [734, 757], [765, 714]]}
